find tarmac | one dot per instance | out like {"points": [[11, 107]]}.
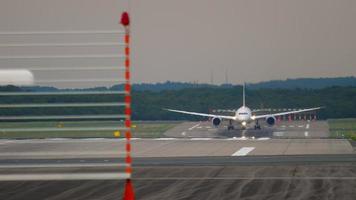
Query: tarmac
{"points": [[282, 129], [287, 138], [293, 160], [247, 178]]}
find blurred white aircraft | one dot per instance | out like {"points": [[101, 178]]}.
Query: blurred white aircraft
{"points": [[244, 115]]}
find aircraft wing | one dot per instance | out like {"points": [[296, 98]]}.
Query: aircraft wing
{"points": [[286, 113], [202, 114]]}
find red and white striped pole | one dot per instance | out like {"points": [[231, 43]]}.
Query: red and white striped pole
{"points": [[129, 193]]}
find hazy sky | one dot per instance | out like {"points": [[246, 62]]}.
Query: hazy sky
{"points": [[185, 40]]}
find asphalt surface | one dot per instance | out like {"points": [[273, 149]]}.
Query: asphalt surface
{"points": [[250, 177], [170, 147], [282, 129], [195, 161], [182, 161]]}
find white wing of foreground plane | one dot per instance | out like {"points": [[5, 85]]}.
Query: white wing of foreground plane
{"points": [[203, 114], [285, 113]]}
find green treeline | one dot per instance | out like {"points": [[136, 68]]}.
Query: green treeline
{"points": [[339, 102]]}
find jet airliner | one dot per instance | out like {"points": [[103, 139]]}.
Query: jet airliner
{"points": [[244, 115]]}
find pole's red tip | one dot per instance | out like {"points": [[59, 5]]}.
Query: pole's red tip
{"points": [[129, 192], [125, 19]]}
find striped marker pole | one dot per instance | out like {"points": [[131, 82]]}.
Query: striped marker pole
{"points": [[129, 192]]}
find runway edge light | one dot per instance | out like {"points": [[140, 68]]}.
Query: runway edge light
{"points": [[129, 191]]}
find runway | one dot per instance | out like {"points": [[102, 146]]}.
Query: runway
{"points": [[214, 165], [170, 147], [112, 168], [199, 139], [282, 129], [250, 177]]}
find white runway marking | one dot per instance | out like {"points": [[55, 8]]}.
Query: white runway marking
{"points": [[246, 138], [193, 127], [199, 127], [307, 127], [301, 126], [183, 133], [263, 138], [243, 151], [306, 134], [278, 133], [61, 139], [4, 142], [208, 127], [291, 126], [240, 138], [283, 126], [201, 138], [90, 139], [166, 139]]}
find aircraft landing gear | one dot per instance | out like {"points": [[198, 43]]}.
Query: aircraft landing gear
{"points": [[230, 126], [257, 126]]}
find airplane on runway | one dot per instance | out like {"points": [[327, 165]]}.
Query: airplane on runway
{"points": [[244, 115]]}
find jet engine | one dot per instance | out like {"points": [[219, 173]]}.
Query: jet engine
{"points": [[271, 120], [216, 121]]}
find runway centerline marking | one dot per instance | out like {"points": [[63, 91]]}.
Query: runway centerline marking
{"points": [[243, 151], [307, 126], [193, 127]]}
